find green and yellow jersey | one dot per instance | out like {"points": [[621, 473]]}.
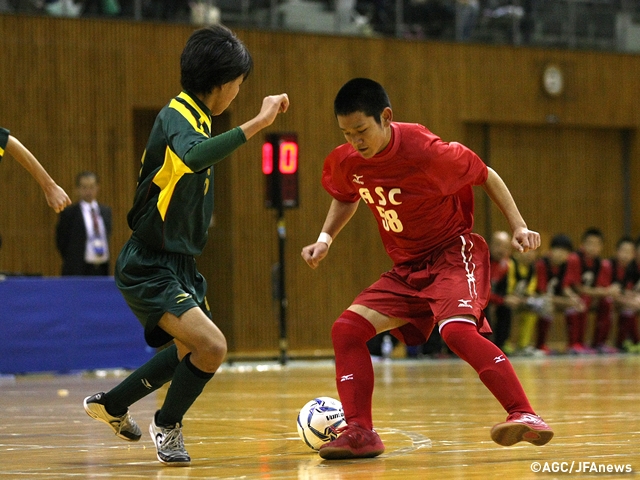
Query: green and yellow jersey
{"points": [[173, 203], [521, 279], [4, 138]]}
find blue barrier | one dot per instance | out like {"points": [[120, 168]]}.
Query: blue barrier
{"points": [[67, 324]]}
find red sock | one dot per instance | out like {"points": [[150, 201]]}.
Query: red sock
{"points": [[603, 322], [543, 326], [623, 328], [633, 329], [574, 327], [354, 372], [492, 365]]}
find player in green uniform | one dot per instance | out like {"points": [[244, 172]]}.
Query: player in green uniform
{"points": [[172, 208], [56, 197]]}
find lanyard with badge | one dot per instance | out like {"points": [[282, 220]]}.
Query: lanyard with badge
{"points": [[97, 243]]}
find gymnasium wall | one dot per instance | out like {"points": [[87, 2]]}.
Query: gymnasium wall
{"points": [[79, 93]]}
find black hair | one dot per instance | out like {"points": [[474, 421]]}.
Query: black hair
{"points": [[592, 232], [212, 57], [625, 239], [86, 174], [562, 241], [361, 95]]}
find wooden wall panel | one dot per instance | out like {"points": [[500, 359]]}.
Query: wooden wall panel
{"points": [[70, 88], [564, 179]]}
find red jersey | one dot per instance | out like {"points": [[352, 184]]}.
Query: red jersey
{"points": [[419, 188], [553, 279], [595, 272], [618, 271]]}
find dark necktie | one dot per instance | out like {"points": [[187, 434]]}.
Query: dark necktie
{"points": [[96, 223]]}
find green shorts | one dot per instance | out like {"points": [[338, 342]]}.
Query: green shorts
{"points": [[154, 283]]}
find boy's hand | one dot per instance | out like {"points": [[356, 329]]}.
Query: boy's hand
{"points": [[57, 198], [524, 239], [314, 253], [272, 106]]}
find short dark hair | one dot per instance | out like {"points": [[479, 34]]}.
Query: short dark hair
{"points": [[86, 174], [592, 232], [625, 239], [212, 57], [562, 241], [361, 95]]}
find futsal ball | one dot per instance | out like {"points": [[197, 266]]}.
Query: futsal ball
{"points": [[318, 420]]}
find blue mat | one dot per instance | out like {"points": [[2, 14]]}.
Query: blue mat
{"points": [[67, 324]]}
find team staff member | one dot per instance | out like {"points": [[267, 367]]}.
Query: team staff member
{"points": [[83, 231], [173, 204], [419, 189], [56, 197]]}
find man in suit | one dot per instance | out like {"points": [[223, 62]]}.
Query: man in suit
{"points": [[83, 231]]}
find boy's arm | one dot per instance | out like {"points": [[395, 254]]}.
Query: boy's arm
{"points": [[57, 198], [523, 239], [211, 151], [338, 216], [271, 107]]}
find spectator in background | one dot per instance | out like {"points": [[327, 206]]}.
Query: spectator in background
{"points": [[558, 275], [596, 291], [429, 19], [628, 303], [83, 231], [467, 12], [110, 8], [62, 8], [497, 312], [523, 300]]}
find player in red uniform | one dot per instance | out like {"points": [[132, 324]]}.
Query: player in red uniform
{"points": [[498, 312], [558, 281], [597, 292], [628, 302], [419, 189]]}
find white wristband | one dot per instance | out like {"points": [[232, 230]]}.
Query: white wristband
{"points": [[326, 238]]}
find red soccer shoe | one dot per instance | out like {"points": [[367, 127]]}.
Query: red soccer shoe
{"points": [[519, 427], [353, 442]]}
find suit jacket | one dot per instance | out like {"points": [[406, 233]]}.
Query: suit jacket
{"points": [[71, 237]]}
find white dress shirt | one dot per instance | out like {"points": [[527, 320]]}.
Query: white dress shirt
{"points": [[97, 246]]}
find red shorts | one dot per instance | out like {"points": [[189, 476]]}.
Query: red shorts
{"points": [[450, 282]]}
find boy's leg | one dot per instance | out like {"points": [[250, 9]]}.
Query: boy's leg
{"points": [[354, 381], [633, 329], [112, 407], [204, 348], [527, 327], [628, 336], [503, 325], [542, 332], [603, 326], [354, 371], [146, 379], [575, 329], [496, 372]]}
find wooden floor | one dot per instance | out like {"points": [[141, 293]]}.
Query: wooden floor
{"points": [[434, 417]]}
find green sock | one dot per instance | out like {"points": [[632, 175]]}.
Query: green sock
{"points": [[187, 384], [146, 379]]}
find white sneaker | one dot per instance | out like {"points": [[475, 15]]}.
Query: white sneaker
{"points": [[169, 444], [124, 426]]}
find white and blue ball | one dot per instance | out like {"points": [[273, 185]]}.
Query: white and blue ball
{"points": [[318, 420]]}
